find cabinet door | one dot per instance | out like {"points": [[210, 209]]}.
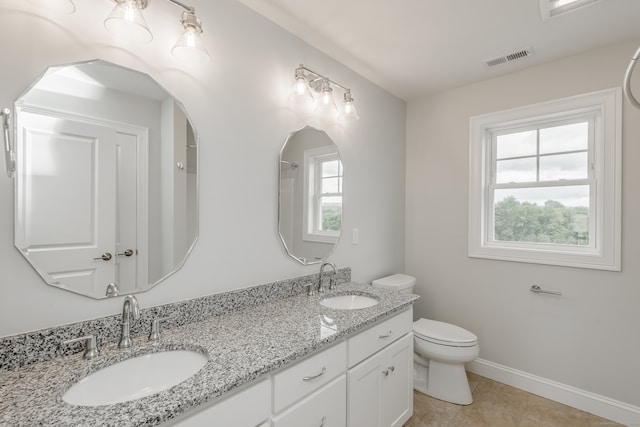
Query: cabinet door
{"points": [[365, 398], [380, 389], [397, 387]]}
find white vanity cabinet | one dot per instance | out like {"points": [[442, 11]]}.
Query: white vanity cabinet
{"points": [[312, 392], [380, 387], [363, 381]]}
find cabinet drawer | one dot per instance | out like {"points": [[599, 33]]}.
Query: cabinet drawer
{"points": [[327, 407], [232, 411], [308, 375], [378, 336]]}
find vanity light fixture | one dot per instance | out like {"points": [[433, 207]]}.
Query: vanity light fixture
{"points": [[127, 22], [190, 44], [348, 113], [301, 95], [325, 105], [308, 81]]}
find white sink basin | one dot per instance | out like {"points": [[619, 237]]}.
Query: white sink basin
{"points": [[135, 378], [349, 302]]}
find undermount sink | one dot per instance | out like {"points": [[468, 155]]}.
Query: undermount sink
{"points": [[349, 302], [135, 378]]}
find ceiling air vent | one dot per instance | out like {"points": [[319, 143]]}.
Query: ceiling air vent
{"points": [[510, 57]]}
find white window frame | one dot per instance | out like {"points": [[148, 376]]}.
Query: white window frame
{"points": [[312, 182], [603, 252]]}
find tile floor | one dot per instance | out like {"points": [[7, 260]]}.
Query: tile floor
{"points": [[498, 405]]}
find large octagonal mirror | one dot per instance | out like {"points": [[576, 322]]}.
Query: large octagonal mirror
{"points": [[310, 200], [106, 196]]}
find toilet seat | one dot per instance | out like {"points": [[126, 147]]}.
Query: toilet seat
{"points": [[442, 333]]}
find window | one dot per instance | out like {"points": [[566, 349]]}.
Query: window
{"points": [[545, 183], [323, 187]]}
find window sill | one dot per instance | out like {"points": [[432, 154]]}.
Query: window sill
{"points": [[588, 260]]}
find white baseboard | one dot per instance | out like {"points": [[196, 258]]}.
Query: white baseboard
{"points": [[601, 406]]}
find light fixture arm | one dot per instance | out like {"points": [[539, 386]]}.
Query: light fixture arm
{"points": [[627, 80], [9, 152], [317, 79], [189, 19], [189, 9]]}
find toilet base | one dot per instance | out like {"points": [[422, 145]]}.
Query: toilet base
{"points": [[444, 381]]}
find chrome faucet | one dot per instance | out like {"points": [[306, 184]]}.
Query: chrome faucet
{"points": [[333, 278], [90, 346], [112, 290], [130, 308]]}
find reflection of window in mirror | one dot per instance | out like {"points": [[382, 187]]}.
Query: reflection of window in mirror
{"points": [[323, 195]]}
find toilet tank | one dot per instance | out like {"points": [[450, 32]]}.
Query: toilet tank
{"points": [[402, 283]]}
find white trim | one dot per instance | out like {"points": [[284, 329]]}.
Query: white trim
{"points": [[608, 127], [583, 400], [309, 222]]}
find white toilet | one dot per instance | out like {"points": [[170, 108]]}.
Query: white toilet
{"points": [[440, 351]]}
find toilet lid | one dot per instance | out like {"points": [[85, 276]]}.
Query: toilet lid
{"points": [[443, 333], [397, 282]]}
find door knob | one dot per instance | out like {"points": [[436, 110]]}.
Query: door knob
{"points": [[105, 256], [128, 252]]}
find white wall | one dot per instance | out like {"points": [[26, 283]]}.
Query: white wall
{"points": [[589, 338], [238, 104]]}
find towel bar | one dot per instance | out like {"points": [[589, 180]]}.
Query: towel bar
{"points": [[538, 290]]}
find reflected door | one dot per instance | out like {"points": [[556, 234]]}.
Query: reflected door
{"points": [[126, 247], [69, 215]]}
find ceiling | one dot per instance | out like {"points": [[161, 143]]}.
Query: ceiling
{"points": [[414, 48]]}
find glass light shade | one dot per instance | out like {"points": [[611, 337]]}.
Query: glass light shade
{"points": [[190, 47], [301, 96], [325, 105], [349, 112], [127, 22]]}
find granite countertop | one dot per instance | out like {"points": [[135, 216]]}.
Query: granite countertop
{"points": [[241, 346]]}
